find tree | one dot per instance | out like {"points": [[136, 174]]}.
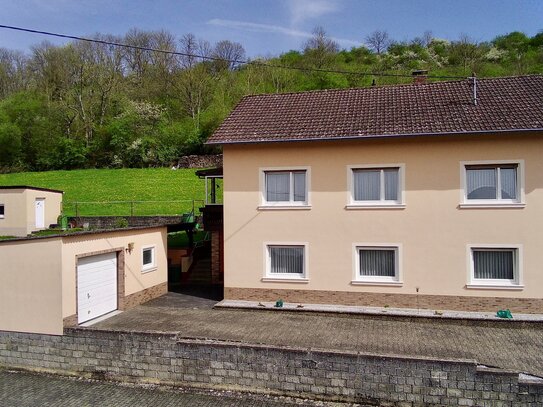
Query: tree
{"points": [[228, 54], [320, 49], [465, 52], [378, 41]]}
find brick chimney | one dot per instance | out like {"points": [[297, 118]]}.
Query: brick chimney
{"points": [[419, 76]]}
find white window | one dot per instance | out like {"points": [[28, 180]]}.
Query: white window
{"points": [[285, 188], [495, 266], [1, 211], [286, 261], [148, 259], [378, 264], [492, 184], [376, 186]]}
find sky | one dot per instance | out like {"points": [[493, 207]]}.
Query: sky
{"points": [[269, 27]]}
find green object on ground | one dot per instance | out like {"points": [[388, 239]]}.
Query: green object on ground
{"points": [[63, 222], [504, 314], [279, 304]]}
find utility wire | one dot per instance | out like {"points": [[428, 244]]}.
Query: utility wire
{"points": [[211, 58]]}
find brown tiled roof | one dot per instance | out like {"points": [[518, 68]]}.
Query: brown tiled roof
{"points": [[503, 104]]}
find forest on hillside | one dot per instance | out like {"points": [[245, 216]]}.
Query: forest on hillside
{"points": [[94, 105]]}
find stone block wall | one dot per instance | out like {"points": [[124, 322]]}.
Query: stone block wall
{"points": [[200, 161], [111, 222], [348, 376]]}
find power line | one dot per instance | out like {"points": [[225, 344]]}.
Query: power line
{"points": [[211, 58]]}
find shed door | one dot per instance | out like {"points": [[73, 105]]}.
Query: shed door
{"points": [[40, 213], [96, 286]]}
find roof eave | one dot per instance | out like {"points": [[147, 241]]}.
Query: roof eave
{"points": [[376, 136]]}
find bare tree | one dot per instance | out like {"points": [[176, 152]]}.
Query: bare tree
{"points": [[378, 41], [320, 48], [13, 65], [228, 54]]}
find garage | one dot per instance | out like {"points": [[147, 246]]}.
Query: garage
{"points": [[96, 286]]}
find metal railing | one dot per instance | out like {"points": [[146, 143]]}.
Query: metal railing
{"points": [[131, 208]]}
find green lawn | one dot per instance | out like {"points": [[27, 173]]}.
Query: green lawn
{"points": [[105, 185]]}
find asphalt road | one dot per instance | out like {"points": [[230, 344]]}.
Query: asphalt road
{"points": [[21, 389]]}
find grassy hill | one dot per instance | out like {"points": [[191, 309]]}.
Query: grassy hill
{"points": [[111, 187]]}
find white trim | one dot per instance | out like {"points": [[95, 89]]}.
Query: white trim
{"points": [[264, 204], [283, 207], [397, 280], [376, 206], [380, 204], [515, 284], [3, 214], [304, 277], [146, 268], [466, 203]]}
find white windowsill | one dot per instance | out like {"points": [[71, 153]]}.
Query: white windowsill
{"points": [[489, 205], [380, 283], [494, 287], [374, 206], [283, 207], [284, 280], [148, 270]]}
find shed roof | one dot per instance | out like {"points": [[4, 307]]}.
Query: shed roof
{"points": [[439, 108], [29, 187]]}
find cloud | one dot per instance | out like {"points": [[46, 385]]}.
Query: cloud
{"points": [[302, 10], [275, 29]]}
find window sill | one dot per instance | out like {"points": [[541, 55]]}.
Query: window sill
{"points": [[284, 280], [374, 206], [149, 270], [497, 205], [494, 287], [283, 207], [378, 283]]}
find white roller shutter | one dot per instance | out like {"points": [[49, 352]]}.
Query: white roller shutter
{"points": [[96, 286]]}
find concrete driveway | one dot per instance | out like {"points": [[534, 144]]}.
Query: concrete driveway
{"points": [[515, 346]]}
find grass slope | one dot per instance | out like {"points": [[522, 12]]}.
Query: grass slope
{"points": [[106, 185]]}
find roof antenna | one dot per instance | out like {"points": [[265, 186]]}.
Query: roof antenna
{"points": [[473, 78]]}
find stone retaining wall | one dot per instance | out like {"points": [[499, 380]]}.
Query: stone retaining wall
{"points": [[350, 376], [110, 222], [200, 161]]}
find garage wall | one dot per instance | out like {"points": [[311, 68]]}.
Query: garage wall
{"points": [[31, 286], [14, 221], [136, 282], [53, 207]]}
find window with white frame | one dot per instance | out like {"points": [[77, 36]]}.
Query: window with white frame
{"points": [[285, 188], [2, 211], [148, 258], [376, 186], [495, 266], [498, 183], [286, 261], [378, 264]]}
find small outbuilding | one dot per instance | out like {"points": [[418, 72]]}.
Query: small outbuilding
{"points": [[25, 209], [48, 283]]}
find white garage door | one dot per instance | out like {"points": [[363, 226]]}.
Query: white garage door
{"points": [[96, 286]]}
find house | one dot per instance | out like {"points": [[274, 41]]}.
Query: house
{"points": [[51, 282], [25, 209], [425, 195]]}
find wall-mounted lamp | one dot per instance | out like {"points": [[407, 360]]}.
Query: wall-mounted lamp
{"points": [[130, 247]]}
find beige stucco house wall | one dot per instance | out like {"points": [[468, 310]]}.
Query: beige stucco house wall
{"points": [[38, 276], [432, 229], [19, 205]]}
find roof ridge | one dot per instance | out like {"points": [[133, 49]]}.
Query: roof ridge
{"points": [[388, 86]]}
